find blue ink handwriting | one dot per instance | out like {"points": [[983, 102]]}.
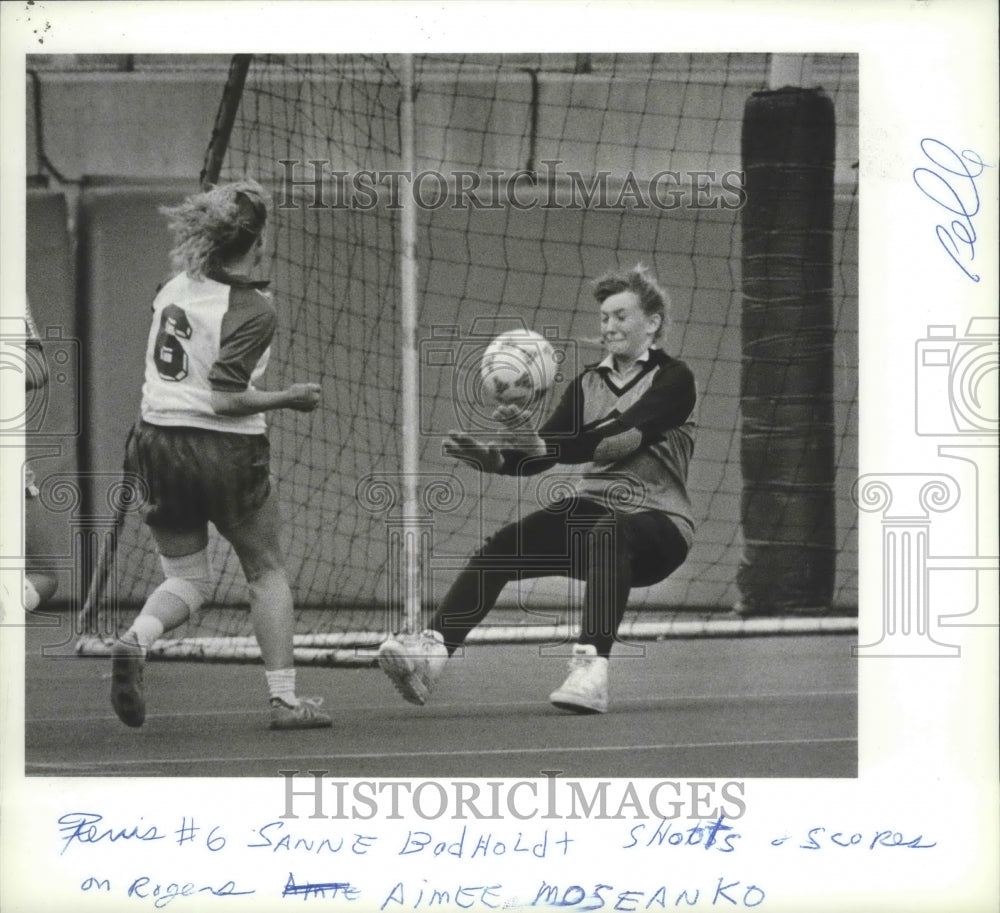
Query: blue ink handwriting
{"points": [[467, 897], [162, 894], [817, 839], [186, 833], [86, 828], [707, 836], [601, 896], [951, 183], [359, 846], [321, 889], [95, 884], [487, 844]]}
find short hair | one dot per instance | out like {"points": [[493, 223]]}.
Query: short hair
{"points": [[653, 298], [215, 226]]}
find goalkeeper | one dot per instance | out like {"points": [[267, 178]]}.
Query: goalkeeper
{"points": [[627, 424], [201, 450]]}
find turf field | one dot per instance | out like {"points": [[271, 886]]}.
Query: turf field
{"points": [[779, 706]]}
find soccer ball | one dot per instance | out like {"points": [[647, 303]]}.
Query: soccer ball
{"points": [[518, 367]]}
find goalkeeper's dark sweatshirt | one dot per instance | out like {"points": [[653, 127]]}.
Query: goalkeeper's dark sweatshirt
{"points": [[631, 445]]}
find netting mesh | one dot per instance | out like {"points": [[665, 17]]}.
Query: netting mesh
{"points": [[533, 175]]}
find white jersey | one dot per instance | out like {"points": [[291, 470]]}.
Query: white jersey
{"points": [[207, 335]]}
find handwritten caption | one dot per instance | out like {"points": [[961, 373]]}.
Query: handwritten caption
{"points": [[80, 832], [950, 181]]}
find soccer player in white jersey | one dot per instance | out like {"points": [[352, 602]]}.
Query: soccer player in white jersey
{"points": [[627, 424], [201, 449]]}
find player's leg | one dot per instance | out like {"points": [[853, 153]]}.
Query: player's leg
{"points": [[187, 582], [256, 541], [168, 463], [171, 464], [40, 584], [185, 586], [538, 545], [619, 551], [601, 559], [532, 547]]}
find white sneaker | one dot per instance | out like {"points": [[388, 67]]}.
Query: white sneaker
{"points": [[413, 662], [586, 687]]}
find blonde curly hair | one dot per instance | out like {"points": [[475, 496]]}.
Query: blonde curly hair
{"points": [[216, 226]]}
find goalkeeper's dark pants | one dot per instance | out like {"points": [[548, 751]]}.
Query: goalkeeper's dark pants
{"points": [[610, 551]]}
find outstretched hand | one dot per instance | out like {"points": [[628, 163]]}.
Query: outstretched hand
{"points": [[518, 433], [488, 455], [483, 455], [515, 415]]}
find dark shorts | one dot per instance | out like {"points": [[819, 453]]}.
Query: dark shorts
{"points": [[649, 540], [193, 475]]}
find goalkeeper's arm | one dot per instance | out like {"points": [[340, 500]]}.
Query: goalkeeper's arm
{"points": [[499, 454], [668, 403]]}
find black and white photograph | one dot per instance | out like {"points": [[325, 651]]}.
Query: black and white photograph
{"points": [[446, 473], [543, 370]]}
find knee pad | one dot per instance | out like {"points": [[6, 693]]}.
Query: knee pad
{"points": [[189, 578]]}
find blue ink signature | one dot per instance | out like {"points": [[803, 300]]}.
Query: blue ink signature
{"points": [[83, 827], [958, 197]]}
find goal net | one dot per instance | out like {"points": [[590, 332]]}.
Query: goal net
{"points": [[531, 175]]}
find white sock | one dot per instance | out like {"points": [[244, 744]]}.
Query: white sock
{"points": [[31, 597], [147, 630], [281, 683]]}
